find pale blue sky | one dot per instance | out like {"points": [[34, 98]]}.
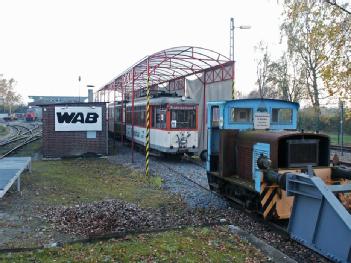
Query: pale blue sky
{"points": [[45, 45]]}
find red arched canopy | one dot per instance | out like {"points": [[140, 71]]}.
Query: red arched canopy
{"points": [[170, 65]]}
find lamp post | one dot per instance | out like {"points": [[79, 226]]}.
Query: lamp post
{"points": [[231, 49], [232, 28], [79, 79]]}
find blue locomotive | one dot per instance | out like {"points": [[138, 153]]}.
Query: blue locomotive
{"points": [[258, 158]]}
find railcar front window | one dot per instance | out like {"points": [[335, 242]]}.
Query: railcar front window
{"points": [[282, 116], [159, 117], [183, 119], [241, 115]]}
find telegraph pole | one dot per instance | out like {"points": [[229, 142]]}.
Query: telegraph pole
{"points": [[341, 114]]}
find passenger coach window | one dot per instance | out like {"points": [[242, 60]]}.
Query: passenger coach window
{"points": [[281, 115], [118, 114], [129, 115], [241, 115], [183, 118]]}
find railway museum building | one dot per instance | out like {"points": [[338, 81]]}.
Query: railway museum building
{"points": [[74, 129]]}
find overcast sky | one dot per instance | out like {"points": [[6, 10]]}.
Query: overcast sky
{"points": [[45, 45]]}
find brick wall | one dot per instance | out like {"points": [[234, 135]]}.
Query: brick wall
{"points": [[71, 143]]}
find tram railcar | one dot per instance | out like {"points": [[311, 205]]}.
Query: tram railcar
{"points": [[173, 121], [116, 119]]}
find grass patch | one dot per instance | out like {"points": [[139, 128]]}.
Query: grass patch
{"points": [[71, 182], [334, 138], [188, 245], [81, 181], [3, 130], [29, 150]]}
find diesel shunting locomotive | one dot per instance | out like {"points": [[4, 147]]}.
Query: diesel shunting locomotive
{"points": [[258, 158], [34, 114]]}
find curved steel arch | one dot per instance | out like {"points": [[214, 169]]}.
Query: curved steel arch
{"points": [[172, 63]]}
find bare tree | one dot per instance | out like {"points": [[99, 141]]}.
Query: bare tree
{"points": [[263, 74], [254, 94], [8, 94], [286, 78]]}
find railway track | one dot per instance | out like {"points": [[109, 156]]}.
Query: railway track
{"points": [[281, 227], [23, 134], [338, 148], [278, 227]]}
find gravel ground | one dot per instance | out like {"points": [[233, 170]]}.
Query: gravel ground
{"points": [[346, 157], [172, 173], [115, 216], [198, 197]]}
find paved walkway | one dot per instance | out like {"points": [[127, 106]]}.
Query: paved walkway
{"points": [[11, 169]]}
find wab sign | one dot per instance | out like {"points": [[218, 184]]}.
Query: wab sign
{"points": [[78, 119]]}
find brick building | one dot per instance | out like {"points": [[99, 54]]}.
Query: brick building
{"points": [[73, 129]]}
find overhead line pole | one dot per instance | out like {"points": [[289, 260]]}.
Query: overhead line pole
{"points": [[114, 117], [122, 112], [133, 82], [147, 119]]}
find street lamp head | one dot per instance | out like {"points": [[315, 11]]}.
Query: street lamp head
{"points": [[245, 27]]}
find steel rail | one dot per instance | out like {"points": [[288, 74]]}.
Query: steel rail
{"points": [[338, 148], [278, 227], [20, 135], [26, 137]]}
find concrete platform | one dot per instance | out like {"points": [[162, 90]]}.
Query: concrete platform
{"points": [[11, 169]]}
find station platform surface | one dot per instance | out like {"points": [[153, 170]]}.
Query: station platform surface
{"points": [[11, 169]]}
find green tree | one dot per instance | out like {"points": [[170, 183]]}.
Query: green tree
{"points": [[318, 34]]}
